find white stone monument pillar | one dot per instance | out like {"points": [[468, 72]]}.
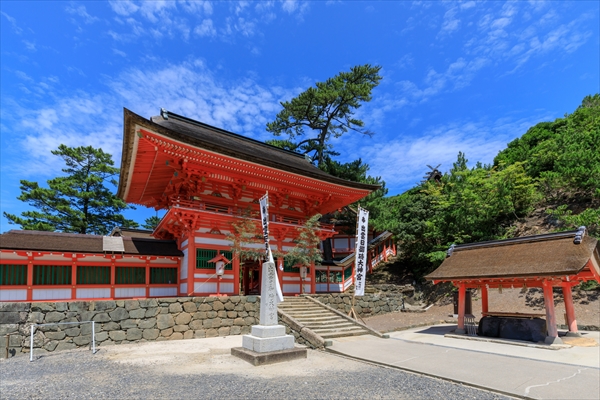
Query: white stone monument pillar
{"points": [[268, 336]]}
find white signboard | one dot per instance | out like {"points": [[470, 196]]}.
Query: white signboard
{"points": [[264, 214], [360, 260]]}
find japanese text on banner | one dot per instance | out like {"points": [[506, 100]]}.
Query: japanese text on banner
{"points": [[360, 261]]}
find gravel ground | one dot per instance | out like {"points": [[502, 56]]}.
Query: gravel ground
{"points": [[586, 304], [174, 370]]}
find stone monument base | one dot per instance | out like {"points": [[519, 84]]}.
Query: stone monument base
{"points": [[263, 339], [268, 345], [270, 357]]}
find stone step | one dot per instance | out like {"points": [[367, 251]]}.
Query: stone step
{"points": [[310, 313], [331, 326], [343, 334], [301, 308], [320, 318]]}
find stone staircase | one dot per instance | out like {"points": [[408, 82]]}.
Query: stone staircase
{"points": [[320, 319]]}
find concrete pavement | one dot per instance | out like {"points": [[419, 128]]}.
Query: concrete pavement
{"points": [[527, 372]]}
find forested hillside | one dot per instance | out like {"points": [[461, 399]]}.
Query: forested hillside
{"points": [[548, 179]]}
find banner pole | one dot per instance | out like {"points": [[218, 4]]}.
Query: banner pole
{"points": [[352, 311]]}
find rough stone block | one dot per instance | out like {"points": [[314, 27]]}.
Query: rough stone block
{"points": [[229, 306], [54, 316], [120, 303], [251, 299], [212, 333], [8, 328], [175, 308], [166, 332], [222, 314], [44, 307], [189, 307], [212, 314], [176, 336], [196, 324], [72, 331], [65, 346], [132, 305], [148, 303], [164, 321], [51, 345], [61, 306], [200, 333], [188, 334], [128, 324], [134, 334], [150, 334], [111, 326], [82, 340], [147, 323], [168, 300], [9, 317], [118, 314], [204, 307], [217, 305], [199, 315], [117, 336], [227, 322], [137, 313], [183, 318], [235, 330], [239, 322], [224, 331], [101, 336], [181, 328], [55, 335], [231, 314], [152, 312], [15, 307], [103, 305]]}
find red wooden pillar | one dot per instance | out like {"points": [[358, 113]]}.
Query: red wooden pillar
{"points": [[571, 321], [30, 277], [484, 299], [191, 267], [236, 274], [147, 264], [112, 277], [552, 337], [74, 277], [462, 291]]}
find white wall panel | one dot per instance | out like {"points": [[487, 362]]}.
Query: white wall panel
{"points": [[183, 288], [130, 292], [307, 288], [226, 287], [205, 287], [93, 293], [183, 268], [290, 288], [51, 294], [321, 287], [163, 291], [13, 294]]}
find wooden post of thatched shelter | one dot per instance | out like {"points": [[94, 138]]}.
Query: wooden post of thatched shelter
{"points": [[570, 310], [552, 337]]}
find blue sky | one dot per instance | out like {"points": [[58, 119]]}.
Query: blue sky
{"points": [[457, 76]]}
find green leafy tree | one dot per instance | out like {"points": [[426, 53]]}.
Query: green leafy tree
{"points": [[327, 110], [306, 250], [151, 222], [79, 202], [245, 232]]}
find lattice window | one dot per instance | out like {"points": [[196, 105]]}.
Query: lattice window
{"points": [[203, 255], [11, 274], [51, 274], [93, 275], [163, 275], [347, 273], [130, 275]]}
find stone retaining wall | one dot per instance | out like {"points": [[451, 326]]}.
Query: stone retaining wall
{"points": [[365, 306], [124, 321]]}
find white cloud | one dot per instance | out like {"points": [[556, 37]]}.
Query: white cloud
{"points": [[401, 161], [13, 23], [81, 12], [123, 7], [206, 28]]}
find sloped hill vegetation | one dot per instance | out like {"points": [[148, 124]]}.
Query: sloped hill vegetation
{"points": [[545, 181]]}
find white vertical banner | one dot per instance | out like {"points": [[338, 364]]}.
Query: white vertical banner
{"points": [[360, 259], [264, 214]]}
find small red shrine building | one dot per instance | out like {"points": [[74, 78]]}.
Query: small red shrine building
{"points": [[563, 259], [206, 178]]}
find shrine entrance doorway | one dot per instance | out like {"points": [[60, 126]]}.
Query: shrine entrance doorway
{"points": [[251, 277]]}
